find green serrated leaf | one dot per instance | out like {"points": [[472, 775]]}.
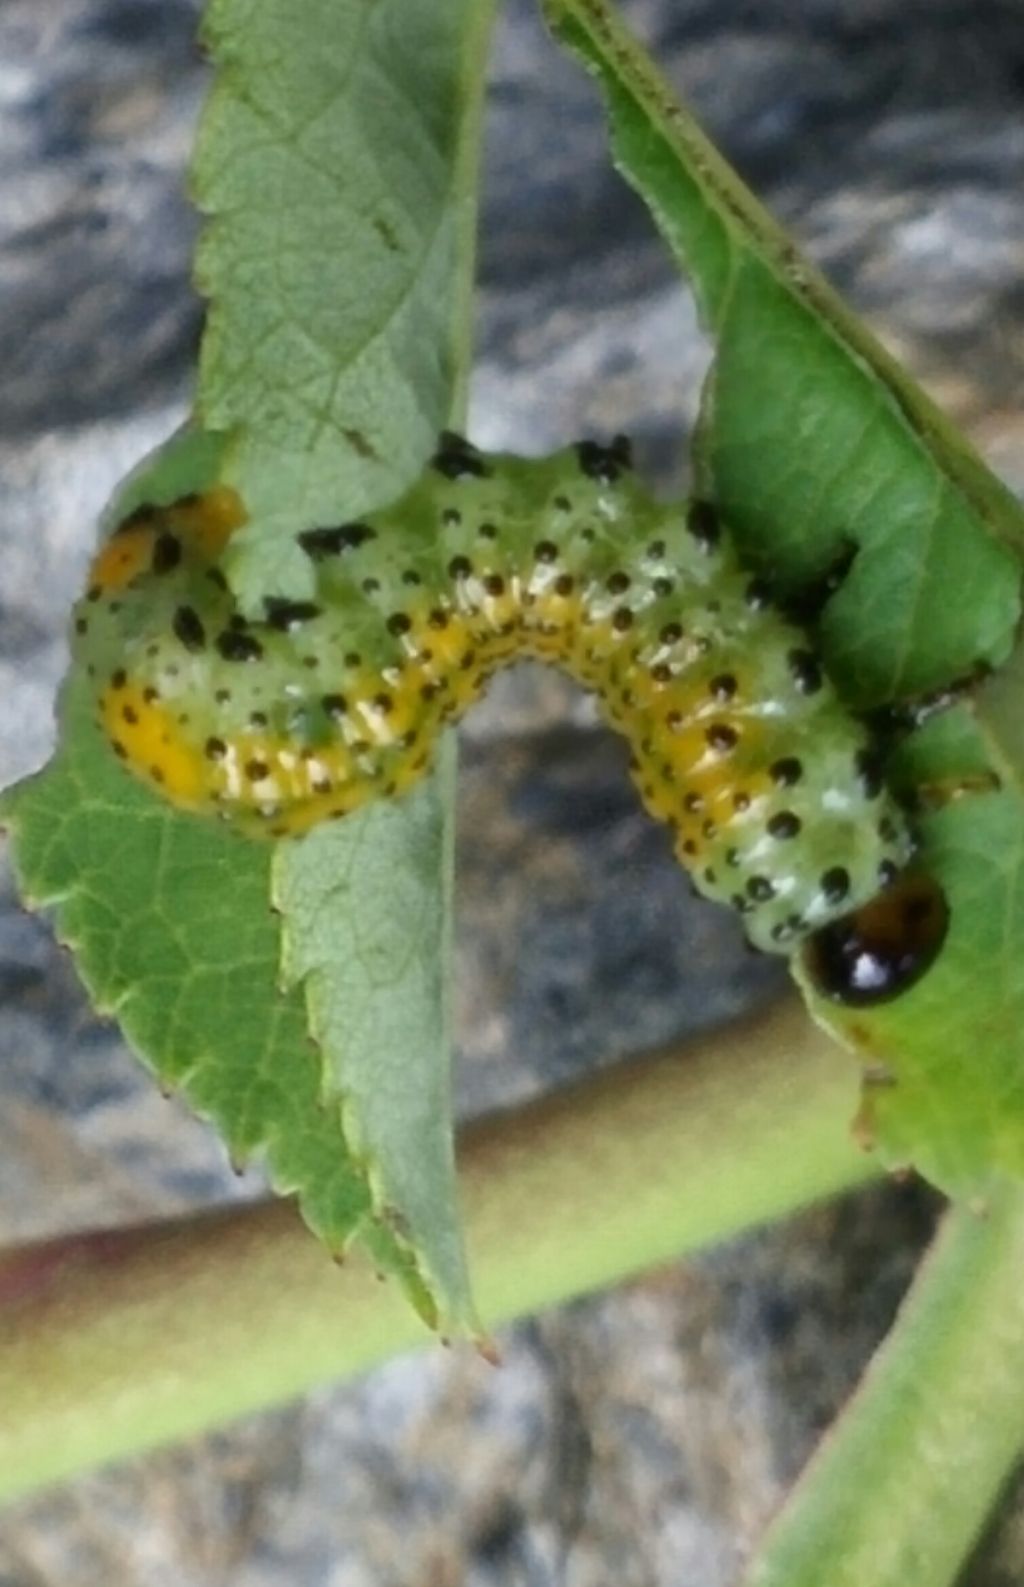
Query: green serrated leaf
{"points": [[366, 935], [172, 932], [812, 437], [333, 166]]}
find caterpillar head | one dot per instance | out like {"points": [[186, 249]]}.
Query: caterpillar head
{"points": [[878, 951]]}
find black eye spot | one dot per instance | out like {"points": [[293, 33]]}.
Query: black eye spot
{"points": [[321, 543], [603, 463], [869, 773], [784, 825], [722, 687], [215, 749], [787, 772], [398, 623], [286, 615], [760, 889], [805, 671], [722, 737], [702, 522], [235, 646], [457, 458], [188, 628], [166, 553], [835, 884]]}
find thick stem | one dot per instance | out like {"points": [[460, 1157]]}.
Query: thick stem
{"points": [[900, 1490], [123, 1341]]}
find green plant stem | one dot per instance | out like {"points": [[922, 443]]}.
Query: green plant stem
{"points": [[113, 1344], [899, 1491]]}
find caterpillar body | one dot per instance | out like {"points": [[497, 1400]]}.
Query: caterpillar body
{"points": [[739, 741]]}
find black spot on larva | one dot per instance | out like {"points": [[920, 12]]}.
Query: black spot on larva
{"points": [[130, 715], [757, 595], [805, 671], [237, 621], [868, 767], [139, 518], [119, 749], [166, 553], [545, 551], [439, 618], [835, 884], [333, 542], [671, 634], [887, 830], [709, 876], [81, 625], [622, 619], [119, 678], [662, 673], [93, 593], [663, 587], [488, 531], [732, 857], [156, 774], [603, 463], [781, 932], [787, 772], [411, 577], [150, 694], [353, 659], [457, 458], [761, 889], [451, 516], [189, 629], [703, 523], [494, 584], [563, 504], [617, 583], [335, 705], [222, 696], [693, 802], [689, 847], [384, 703], [286, 615], [722, 737], [258, 719], [722, 686], [741, 802], [708, 828], [323, 785], [235, 646], [564, 584], [370, 586], [656, 550], [217, 578], [784, 824], [256, 770], [459, 568], [398, 623], [887, 874], [215, 749]]}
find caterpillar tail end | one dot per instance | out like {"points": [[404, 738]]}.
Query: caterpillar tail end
{"points": [[877, 952]]}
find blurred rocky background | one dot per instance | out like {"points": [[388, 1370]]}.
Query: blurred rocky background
{"points": [[643, 1437]]}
